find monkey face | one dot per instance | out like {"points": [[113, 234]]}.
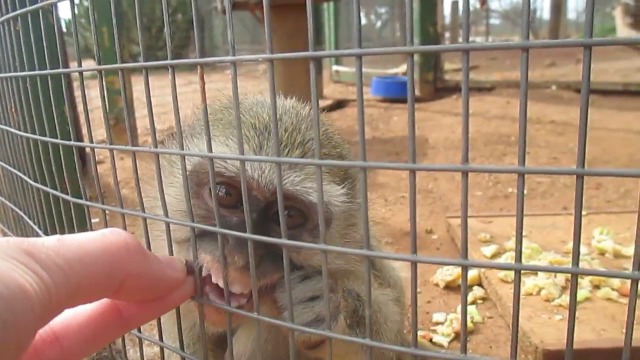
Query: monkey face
{"points": [[259, 215], [301, 223]]}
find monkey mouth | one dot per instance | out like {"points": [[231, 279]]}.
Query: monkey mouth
{"points": [[213, 289]]}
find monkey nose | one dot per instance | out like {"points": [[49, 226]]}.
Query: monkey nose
{"points": [[237, 252]]}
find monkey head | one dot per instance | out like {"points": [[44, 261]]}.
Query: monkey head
{"points": [[300, 192]]}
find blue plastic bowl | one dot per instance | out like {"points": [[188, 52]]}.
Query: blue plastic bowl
{"points": [[389, 87]]}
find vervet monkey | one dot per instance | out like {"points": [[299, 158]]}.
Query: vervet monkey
{"points": [[343, 228]]}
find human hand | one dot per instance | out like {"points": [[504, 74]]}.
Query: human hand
{"points": [[120, 283]]}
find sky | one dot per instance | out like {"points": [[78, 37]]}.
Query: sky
{"points": [[572, 6], [64, 10]]}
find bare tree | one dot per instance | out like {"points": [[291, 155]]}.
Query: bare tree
{"points": [[534, 27], [510, 12]]}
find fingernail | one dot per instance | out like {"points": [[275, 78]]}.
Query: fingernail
{"points": [[191, 268], [176, 265]]}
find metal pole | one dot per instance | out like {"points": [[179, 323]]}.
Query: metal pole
{"points": [[425, 20], [107, 56], [39, 52], [487, 22]]}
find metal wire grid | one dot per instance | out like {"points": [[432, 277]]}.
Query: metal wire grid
{"points": [[21, 183]]}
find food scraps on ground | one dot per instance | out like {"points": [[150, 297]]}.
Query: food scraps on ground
{"points": [[451, 276], [477, 295], [550, 286], [490, 251], [449, 325], [602, 242], [424, 337], [485, 237], [439, 317]]}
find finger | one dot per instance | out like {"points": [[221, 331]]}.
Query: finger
{"points": [[84, 330], [70, 270]]}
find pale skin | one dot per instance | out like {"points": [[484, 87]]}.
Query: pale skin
{"points": [[66, 297]]}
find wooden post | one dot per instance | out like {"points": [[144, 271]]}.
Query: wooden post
{"points": [[289, 30], [454, 23]]}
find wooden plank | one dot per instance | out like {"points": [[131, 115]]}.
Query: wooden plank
{"points": [[600, 324], [595, 86], [597, 349]]}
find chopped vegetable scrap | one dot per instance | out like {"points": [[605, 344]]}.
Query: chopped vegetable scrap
{"points": [[448, 325], [551, 287], [451, 276]]}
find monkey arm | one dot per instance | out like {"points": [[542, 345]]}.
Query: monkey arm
{"points": [[348, 317], [387, 318], [388, 314]]}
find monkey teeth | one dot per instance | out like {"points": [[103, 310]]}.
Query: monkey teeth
{"points": [[215, 294], [213, 288]]}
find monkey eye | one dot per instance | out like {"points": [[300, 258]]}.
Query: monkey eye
{"points": [[294, 217], [228, 196]]}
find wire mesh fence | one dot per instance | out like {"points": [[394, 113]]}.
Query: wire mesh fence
{"points": [[101, 127]]}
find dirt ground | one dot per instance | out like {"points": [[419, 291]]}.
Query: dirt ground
{"points": [[609, 64], [552, 138]]}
